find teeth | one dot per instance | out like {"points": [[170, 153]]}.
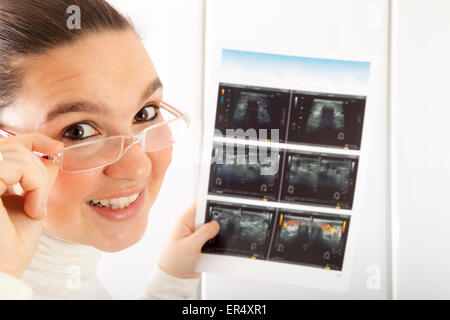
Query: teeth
{"points": [[133, 197], [116, 203]]}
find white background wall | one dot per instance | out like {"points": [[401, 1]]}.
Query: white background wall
{"points": [[420, 144]]}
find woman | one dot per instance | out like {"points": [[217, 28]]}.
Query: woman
{"points": [[62, 88]]}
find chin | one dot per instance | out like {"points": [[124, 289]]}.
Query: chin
{"points": [[122, 237], [116, 247], [118, 242]]}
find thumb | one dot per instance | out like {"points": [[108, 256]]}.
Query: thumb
{"points": [[53, 171], [204, 233]]}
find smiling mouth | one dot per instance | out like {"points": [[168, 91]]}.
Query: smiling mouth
{"points": [[114, 203]]}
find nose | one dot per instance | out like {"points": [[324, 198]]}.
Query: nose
{"points": [[134, 165]]}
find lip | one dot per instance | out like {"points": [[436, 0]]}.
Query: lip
{"points": [[122, 194], [121, 214]]}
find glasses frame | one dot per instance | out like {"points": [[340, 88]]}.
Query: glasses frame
{"points": [[139, 138]]}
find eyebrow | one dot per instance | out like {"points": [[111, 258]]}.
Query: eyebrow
{"points": [[89, 107]]}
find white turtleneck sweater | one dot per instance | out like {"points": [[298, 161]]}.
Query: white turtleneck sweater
{"points": [[61, 269]]}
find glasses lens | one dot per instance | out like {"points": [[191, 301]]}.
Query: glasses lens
{"points": [[165, 128], [91, 155], [163, 135]]}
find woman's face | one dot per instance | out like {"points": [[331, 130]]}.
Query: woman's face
{"points": [[95, 88]]}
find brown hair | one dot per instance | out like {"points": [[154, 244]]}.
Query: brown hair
{"points": [[32, 27]]}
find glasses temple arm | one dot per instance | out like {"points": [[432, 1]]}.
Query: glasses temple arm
{"points": [[177, 113]]}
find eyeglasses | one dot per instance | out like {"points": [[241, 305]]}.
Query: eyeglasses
{"points": [[168, 127]]}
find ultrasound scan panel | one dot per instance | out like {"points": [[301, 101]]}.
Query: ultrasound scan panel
{"points": [[326, 120], [246, 174], [244, 230], [310, 239], [319, 179], [243, 107]]}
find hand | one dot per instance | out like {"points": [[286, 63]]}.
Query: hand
{"points": [[182, 251], [21, 217]]}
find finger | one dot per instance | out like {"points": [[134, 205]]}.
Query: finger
{"points": [[31, 182], [52, 174], [5, 222], [52, 171], [26, 157], [35, 142], [47, 170], [4, 217], [20, 171], [21, 159], [3, 187], [184, 225], [36, 200], [20, 223], [35, 204], [204, 233]]}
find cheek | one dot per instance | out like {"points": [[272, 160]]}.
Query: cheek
{"points": [[160, 161], [71, 190]]}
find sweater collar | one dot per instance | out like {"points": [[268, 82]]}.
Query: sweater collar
{"points": [[63, 269]]}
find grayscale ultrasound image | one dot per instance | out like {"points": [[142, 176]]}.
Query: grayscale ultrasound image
{"points": [[241, 174], [319, 180], [325, 119], [245, 179], [317, 173], [325, 115], [251, 108], [243, 230], [247, 107]]}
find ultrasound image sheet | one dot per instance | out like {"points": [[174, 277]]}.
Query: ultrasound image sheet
{"points": [[280, 170]]}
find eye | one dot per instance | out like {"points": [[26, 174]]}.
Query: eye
{"points": [[147, 113], [79, 131]]}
